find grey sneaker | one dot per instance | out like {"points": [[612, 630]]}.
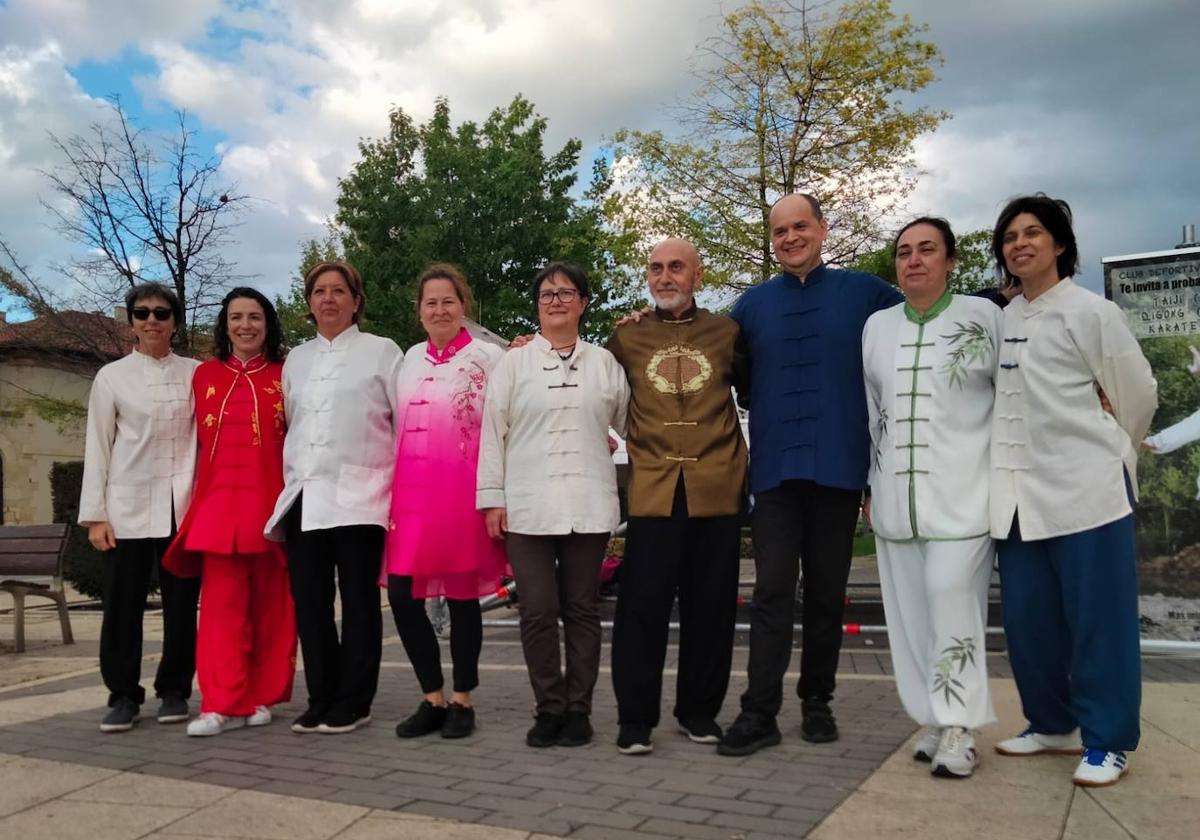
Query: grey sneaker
{"points": [[173, 709], [121, 717], [956, 757], [927, 744]]}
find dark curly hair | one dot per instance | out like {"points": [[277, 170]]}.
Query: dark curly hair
{"points": [[1054, 214], [272, 348]]}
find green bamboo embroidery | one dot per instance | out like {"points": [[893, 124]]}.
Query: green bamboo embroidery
{"points": [[880, 433], [953, 662], [971, 342]]}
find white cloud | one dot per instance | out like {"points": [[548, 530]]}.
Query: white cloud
{"points": [[85, 29], [37, 96], [311, 77]]}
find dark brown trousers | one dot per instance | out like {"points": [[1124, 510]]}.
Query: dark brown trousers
{"points": [[559, 577]]}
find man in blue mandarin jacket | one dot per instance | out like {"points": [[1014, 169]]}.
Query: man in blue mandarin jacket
{"points": [[808, 466]]}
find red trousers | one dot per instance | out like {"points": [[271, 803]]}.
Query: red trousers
{"points": [[246, 644]]}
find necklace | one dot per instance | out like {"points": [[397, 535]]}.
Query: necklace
{"points": [[570, 348]]}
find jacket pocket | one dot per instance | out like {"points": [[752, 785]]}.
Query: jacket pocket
{"points": [[129, 509], [362, 488]]}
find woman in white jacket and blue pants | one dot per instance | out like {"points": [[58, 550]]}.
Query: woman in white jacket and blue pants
{"points": [[1063, 482]]}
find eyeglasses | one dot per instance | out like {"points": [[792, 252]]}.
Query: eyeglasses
{"points": [[161, 313], [563, 295]]}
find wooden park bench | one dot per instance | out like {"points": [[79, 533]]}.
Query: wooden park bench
{"points": [[34, 551]]}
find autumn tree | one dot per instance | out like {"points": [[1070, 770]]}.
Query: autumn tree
{"points": [[793, 97], [488, 197]]}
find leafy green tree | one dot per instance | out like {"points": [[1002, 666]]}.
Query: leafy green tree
{"points": [[973, 269], [794, 97], [293, 308], [1168, 512], [488, 198]]}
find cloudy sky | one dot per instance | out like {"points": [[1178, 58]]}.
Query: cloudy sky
{"points": [[1091, 100]]}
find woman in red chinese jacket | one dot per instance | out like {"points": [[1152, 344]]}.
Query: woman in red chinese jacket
{"points": [[246, 644]]}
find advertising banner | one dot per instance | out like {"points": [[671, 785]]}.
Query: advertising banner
{"points": [[1160, 295]]}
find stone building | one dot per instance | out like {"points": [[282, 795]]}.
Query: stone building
{"points": [[46, 371]]}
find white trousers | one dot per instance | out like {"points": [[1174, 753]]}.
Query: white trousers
{"points": [[935, 599]]}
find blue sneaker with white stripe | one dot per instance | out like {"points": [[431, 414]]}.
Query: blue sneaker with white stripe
{"points": [[1100, 768]]}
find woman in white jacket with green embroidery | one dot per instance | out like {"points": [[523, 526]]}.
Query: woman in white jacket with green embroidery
{"points": [[929, 366]]}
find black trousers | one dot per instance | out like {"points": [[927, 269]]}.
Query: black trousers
{"points": [[698, 559], [559, 575], [421, 644], [126, 575], [799, 525], [341, 674]]}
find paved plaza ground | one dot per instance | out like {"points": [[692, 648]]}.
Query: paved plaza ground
{"points": [[61, 778]]}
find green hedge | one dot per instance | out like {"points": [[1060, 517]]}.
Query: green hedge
{"points": [[82, 566]]}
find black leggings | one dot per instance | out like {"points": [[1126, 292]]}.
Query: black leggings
{"points": [[421, 644]]}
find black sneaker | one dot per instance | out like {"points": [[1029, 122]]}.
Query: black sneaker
{"points": [[427, 718], [544, 732], [121, 717], [340, 721], [172, 709], [310, 721], [634, 739], [701, 730], [748, 735], [819, 725], [576, 730], [460, 721]]}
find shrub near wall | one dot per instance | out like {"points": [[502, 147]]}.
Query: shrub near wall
{"points": [[82, 564]]}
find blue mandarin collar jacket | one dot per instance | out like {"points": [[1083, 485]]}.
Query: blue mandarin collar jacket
{"points": [[808, 410]]}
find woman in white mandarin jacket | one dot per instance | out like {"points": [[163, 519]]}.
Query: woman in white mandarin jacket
{"points": [[138, 467], [1063, 482], [339, 392], [929, 367]]}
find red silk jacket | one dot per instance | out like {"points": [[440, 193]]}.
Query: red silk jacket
{"points": [[240, 426]]}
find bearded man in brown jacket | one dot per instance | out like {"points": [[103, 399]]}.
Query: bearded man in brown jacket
{"points": [[686, 490]]}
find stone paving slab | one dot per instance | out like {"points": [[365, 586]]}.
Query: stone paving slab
{"points": [[492, 779]]}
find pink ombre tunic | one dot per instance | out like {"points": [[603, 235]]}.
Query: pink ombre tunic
{"points": [[436, 536]]}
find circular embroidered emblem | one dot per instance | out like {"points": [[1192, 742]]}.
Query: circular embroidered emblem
{"points": [[679, 369]]}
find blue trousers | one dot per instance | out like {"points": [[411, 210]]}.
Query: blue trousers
{"points": [[1071, 618]]}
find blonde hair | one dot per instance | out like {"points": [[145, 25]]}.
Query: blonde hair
{"points": [[446, 271], [348, 272]]}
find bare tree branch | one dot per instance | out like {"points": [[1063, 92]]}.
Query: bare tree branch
{"points": [[145, 208]]}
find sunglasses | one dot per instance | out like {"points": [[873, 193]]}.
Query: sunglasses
{"points": [[161, 313]]}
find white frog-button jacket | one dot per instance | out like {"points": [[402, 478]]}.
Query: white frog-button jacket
{"points": [[929, 383], [543, 451], [140, 451], [340, 450], [1058, 459]]}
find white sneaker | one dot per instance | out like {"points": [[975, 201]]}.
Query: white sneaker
{"points": [[211, 723], [1035, 743], [261, 716], [956, 757], [1099, 768], [927, 744]]}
